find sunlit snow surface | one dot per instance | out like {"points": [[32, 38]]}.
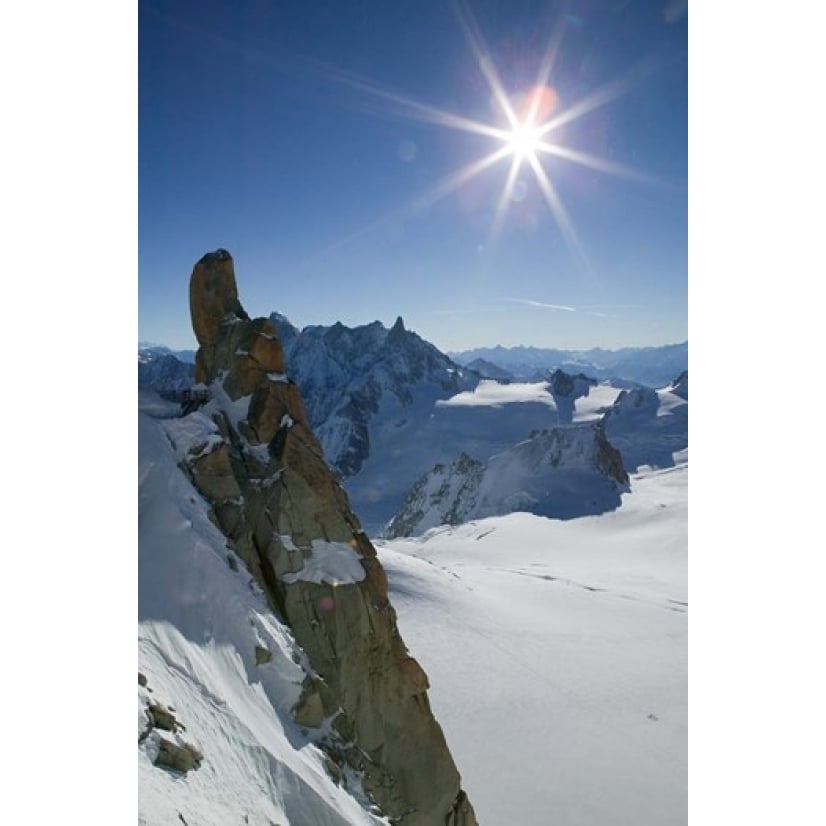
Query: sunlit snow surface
{"points": [[557, 657], [492, 393], [599, 399]]}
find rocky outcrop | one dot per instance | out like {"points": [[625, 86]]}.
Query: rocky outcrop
{"points": [[179, 758], [287, 517], [161, 717], [174, 754], [445, 496], [561, 472], [680, 385], [566, 388], [650, 427]]}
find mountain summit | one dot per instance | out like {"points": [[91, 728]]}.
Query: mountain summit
{"points": [[263, 472], [349, 376]]}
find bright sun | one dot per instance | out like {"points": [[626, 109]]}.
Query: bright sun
{"points": [[527, 131], [523, 141]]}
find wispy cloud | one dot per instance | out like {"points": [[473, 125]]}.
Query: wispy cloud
{"points": [[468, 310], [531, 303], [587, 309]]}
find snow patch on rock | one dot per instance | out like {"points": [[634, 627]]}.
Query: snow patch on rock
{"points": [[335, 563]]}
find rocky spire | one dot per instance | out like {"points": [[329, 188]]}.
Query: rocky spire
{"points": [[283, 511], [397, 335]]}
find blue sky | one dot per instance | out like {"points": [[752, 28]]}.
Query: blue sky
{"points": [[278, 131]]}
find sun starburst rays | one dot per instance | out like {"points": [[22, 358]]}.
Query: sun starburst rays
{"points": [[414, 110], [526, 124], [505, 197], [458, 179], [558, 210], [593, 162], [485, 62]]}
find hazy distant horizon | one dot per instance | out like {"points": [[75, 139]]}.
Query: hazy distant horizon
{"points": [[189, 342]]}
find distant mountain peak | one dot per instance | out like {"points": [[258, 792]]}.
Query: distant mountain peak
{"points": [[560, 472], [345, 373], [398, 335]]}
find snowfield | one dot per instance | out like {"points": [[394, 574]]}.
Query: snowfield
{"points": [[557, 657], [491, 393]]}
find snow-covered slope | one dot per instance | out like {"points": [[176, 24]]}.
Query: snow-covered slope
{"points": [[564, 472], [558, 657], [204, 629]]}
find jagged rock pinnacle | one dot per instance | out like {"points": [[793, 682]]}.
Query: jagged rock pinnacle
{"points": [[247, 350], [213, 295], [283, 511], [397, 335]]}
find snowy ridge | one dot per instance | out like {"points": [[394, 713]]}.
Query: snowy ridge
{"points": [[563, 472], [202, 622]]}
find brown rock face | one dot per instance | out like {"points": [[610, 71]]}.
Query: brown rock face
{"points": [[213, 296], [285, 514]]}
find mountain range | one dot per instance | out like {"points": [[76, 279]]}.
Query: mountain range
{"points": [[652, 366], [388, 406]]}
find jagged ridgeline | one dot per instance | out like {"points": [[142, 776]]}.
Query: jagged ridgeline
{"points": [[282, 510]]}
